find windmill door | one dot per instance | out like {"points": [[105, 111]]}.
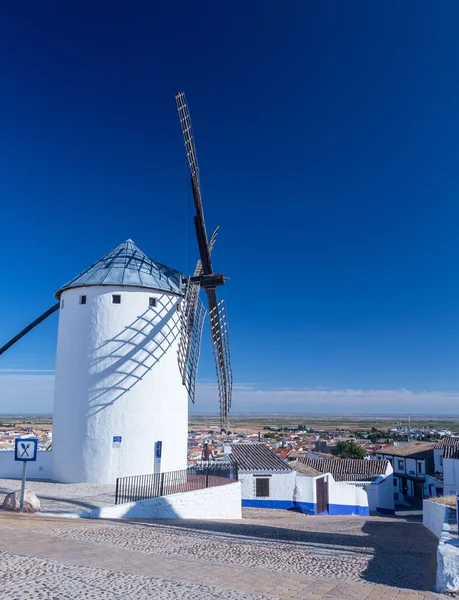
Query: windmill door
{"points": [[322, 495]]}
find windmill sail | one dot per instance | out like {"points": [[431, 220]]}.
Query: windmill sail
{"points": [[192, 320], [220, 344], [26, 330], [216, 311]]}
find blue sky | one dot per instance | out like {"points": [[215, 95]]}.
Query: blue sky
{"points": [[328, 140]]}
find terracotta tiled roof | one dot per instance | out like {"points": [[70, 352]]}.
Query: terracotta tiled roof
{"points": [[299, 466], [295, 454], [323, 454], [348, 469], [256, 457], [408, 449]]}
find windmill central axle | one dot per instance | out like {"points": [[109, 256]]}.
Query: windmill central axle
{"points": [[212, 280]]}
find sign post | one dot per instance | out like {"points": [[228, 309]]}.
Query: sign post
{"points": [[25, 450], [158, 455]]}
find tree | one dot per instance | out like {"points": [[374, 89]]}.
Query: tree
{"points": [[348, 449]]}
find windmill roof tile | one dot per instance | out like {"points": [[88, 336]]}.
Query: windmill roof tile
{"points": [[127, 265]]}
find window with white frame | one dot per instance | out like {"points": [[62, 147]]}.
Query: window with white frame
{"points": [[400, 464]]}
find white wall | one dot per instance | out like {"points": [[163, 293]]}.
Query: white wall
{"points": [[305, 490], [438, 460], [220, 502], [380, 494], [435, 519], [450, 476], [39, 469], [342, 495], [433, 516], [281, 486], [343, 498], [117, 375]]}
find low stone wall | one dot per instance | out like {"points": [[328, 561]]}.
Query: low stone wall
{"points": [[437, 518], [39, 469], [433, 516], [220, 502]]}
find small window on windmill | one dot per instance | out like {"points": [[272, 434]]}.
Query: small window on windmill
{"points": [[152, 302], [116, 299], [82, 299], [179, 307]]}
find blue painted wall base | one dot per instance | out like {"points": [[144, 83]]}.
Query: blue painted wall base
{"points": [[308, 508]]}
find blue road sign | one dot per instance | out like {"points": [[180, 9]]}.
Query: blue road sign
{"points": [[158, 449], [25, 449]]}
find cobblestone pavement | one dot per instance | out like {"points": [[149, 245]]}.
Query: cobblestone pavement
{"points": [[64, 497], [286, 557]]}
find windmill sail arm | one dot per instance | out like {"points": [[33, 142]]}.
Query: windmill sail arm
{"points": [[188, 138], [26, 330], [220, 344], [201, 234]]}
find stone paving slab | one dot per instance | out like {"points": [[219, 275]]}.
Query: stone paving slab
{"points": [[93, 570]]}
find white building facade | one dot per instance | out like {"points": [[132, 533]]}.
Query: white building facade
{"points": [[120, 408], [445, 481]]}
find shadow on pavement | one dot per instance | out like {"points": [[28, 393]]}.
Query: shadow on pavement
{"points": [[402, 553]]}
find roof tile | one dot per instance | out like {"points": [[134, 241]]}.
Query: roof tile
{"points": [[348, 469], [257, 457], [128, 265]]}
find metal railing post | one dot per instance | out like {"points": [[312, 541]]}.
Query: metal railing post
{"points": [[116, 491], [161, 485], [207, 475]]}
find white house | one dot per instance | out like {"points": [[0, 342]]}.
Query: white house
{"points": [[445, 480], [269, 482], [412, 462], [374, 477]]}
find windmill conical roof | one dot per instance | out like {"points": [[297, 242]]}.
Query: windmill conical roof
{"points": [[127, 265]]}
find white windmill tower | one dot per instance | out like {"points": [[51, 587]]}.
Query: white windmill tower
{"points": [[127, 356], [118, 388]]}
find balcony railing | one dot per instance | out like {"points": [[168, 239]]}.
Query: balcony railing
{"points": [[154, 485]]}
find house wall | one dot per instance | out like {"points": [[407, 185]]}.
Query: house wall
{"points": [[343, 498], [438, 460], [39, 469], [305, 494], [220, 502], [281, 490], [346, 499], [117, 375], [433, 487], [450, 476], [380, 495]]}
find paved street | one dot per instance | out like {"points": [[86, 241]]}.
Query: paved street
{"points": [[286, 556]]}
